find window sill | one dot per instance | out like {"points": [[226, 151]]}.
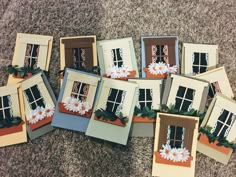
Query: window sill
{"points": [[204, 140], [10, 130], [159, 159], [143, 119], [116, 122], [63, 110]]}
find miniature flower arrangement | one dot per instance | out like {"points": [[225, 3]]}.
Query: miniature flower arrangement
{"points": [[71, 105], [159, 70], [40, 116], [173, 156], [220, 144], [22, 72], [109, 117], [120, 73], [10, 125]]}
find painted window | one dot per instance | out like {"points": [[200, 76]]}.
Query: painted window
{"points": [[31, 55], [200, 62], [175, 136], [115, 101], [80, 90], [160, 53], [34, 97], [145, 98], [79, 57], [184, 98], [117, 56], [5, 106]]}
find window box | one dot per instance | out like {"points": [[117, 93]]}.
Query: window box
{"points": [[116, 122], [150, 75], [131, 75], [143, 119], [13, 129]]}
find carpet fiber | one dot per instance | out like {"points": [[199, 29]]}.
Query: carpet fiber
{"points": [[68, 153]]}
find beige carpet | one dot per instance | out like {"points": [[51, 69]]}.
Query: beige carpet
{"points": [[68, 153]]}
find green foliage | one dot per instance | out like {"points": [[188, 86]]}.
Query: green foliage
{"points": [[211, 138], [10, 121], [145, 112], [105, 115], [22, 70]]}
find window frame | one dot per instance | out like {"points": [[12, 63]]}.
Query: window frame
{"points": [[104, 54]]}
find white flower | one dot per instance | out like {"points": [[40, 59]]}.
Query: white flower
{"points": [[32, 117], [124, 71], [40, 113], [158, 68], [84, 107], [75, 105], [49, 110], [172, 69], [165, 152], [184, 154], [113, 71], [175, 155], [67, 103]]}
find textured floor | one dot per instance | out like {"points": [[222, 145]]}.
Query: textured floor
{"points": [[68, 153]]}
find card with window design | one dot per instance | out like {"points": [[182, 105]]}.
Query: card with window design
{"points": [[117, 58], [76, 100], [114, 109], [185, 93], [160, 56], [78, 52], [175, 145], [147, 103], [219, 83], [220, 123], [39, 105], [32, 52], [12, 121], [198, 58]]}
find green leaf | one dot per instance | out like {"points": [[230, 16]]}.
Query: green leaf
{"points": [[146, 108]]}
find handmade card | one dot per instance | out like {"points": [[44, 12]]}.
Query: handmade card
{"points": [[147, 104], [39, 105], [219, 82], [76, 100], [175, 145], [117, 58], [160, 56], [79, 53], [198, 58], [185, 94], [114, 108], [12, 121], [32, 54], [217, 137]]}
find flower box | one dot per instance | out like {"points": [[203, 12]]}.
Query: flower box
{"points": [[40, 123], [64, 110], [25, 77], [143, 119], [150, 75], [159, 159], [204, 139], [10, 130], [116, 122], [131, 75]]}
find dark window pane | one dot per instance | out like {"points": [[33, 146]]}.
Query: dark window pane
{"points": [[7, 112], [158, 52], [196, 69], [148, 95], [203, 69], [218, 128], [158, 59], [84, 89], [109, 106], [112, 95], [142, 105], [229, 119], [179, 133], [119, 58], [196, 58], [115, 108], [162, 50], [172, 143], [35, 51], [41, 103], [178, 144], [203, 59], [36, 92], [178, 103], [185, 106], [222, 133], [29, 95], [76, 87], [162, 59], [181, 91], [119, 96], [149, 104], [190, 93], [1, 114], [211, 92], [120, 63], [74, 95], [6, 102], [172, 132], [33, 106], [141, 94], [82, 98], [223, 116]]}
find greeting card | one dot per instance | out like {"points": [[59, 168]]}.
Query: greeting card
{"points": [[76, 100], [175, 145], [114, 109], [160, 56], [39, 105], [12, 121], [32, 54]]}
